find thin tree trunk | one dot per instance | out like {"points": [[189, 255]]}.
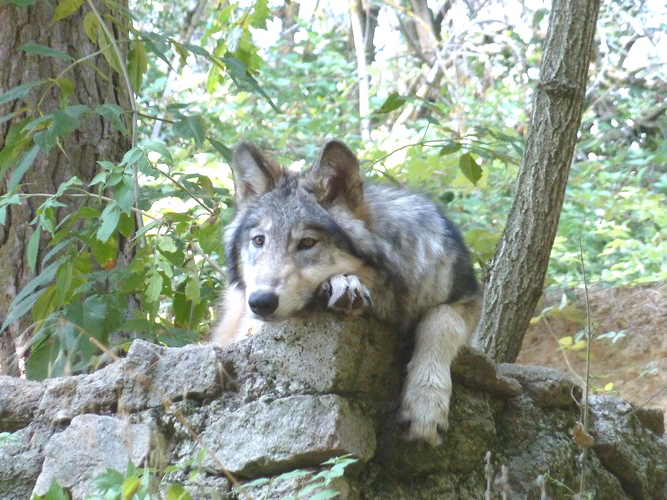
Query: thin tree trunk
{"points": [[96, 138], [289, 15], [362, 70], [517, 272]]}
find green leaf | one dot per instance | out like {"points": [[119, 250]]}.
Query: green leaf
{"points": [[134, 155], [33, 248], [107, 49], [6, 200], [260, 14], [192, 289], [160, 147], [22, 3], [19, 307], [137, 64], [469, 168], [18, 92], [130, 487], [66, 90], [43, 50], [100, 178], [22, 167], [113, 113], [146, 228], [108, 480], [196, 49], [66, 8], [191, 127], [55, 492], [450, 148], [392, 102], [124, 194], [226, 153], [157, 45], [239, 74], [110, 218], [90, 26], [154, 286], [177, 492], [126, 225], [166, 244], [42, 278], [8, 117]]}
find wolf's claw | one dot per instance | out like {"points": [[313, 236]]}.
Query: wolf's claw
{"points": [[345, 294]]}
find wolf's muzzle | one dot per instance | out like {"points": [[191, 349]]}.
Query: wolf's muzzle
{"points": [[263, 303]]}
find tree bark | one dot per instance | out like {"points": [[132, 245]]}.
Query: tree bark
{"points": [[362, 70], [518, 268], [95, 139], [289, 16]]}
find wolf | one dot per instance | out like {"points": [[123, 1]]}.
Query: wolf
{"points": [[327, 239]]}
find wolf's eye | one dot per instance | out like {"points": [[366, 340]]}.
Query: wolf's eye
{"points": [[306, 243], [258, 240]]}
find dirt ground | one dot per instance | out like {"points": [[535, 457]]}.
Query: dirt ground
{"points": [[636, 363]]}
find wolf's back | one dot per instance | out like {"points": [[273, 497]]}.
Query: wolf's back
{"points": [[418, 251]]}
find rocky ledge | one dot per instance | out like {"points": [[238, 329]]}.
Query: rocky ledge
{"points": [[265, 417]]}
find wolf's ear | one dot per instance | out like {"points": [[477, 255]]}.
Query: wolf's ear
{"points": [[254, 175], [335, 177]]}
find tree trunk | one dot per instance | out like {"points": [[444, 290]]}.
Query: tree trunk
{"points": [[362, 71], [289, 16], [95, 139], [518, 268]]}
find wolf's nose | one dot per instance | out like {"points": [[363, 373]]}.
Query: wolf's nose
{"points": [[263, 303]]}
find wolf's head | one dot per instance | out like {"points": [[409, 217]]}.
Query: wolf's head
{"points": [[291, 232]]}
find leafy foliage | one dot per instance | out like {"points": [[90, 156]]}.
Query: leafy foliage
{"points": [[167, 200]]}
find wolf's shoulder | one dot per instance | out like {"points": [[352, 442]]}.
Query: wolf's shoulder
{"points": [[402, 206]]}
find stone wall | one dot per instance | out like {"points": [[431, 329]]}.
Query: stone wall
{"points": [[297, 394]]}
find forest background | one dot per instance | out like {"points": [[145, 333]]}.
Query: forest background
{"points": [[435, 95]]}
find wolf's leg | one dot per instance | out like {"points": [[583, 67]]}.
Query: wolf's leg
{"points": [[232, 311], [344, 293], [428, 386]]}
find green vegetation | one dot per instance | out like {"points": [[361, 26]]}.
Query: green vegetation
{"points": [[228, 74]]}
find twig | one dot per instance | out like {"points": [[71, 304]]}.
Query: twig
{"points": [[588, 367], [183, 188], [130, 95], [208, 259]]}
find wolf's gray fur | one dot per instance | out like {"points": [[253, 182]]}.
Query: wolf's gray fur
{"points": [[324, 238]]}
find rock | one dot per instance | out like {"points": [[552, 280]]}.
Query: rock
{"points": [[205, 486], [154, 374], [89, 446], [21, 458], [299, 431], [19, 400], [628, 449], [279, 404], [547, 388], [351, 357], [66, 397], [475, 369]]}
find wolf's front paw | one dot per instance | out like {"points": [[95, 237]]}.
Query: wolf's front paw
{"points": [[345, 294], [426, 408]]}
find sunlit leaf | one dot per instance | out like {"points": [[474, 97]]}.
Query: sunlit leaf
{"points": [[113, 113], [469, 168], [392, 102], [137, 64], [66, 8], [33, 248], [18, 92]]}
